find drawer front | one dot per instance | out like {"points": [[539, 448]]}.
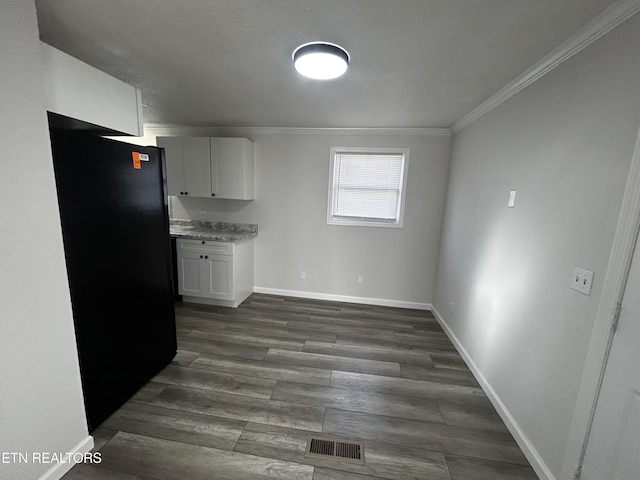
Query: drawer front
{"points": [[206, 246]]}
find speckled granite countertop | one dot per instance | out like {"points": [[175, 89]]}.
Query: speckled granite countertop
{"points": [[215, 231]]}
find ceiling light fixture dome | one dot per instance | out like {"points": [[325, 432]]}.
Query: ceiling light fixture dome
{"points": [[320, 60]]}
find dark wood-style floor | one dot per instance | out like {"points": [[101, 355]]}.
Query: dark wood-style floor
{"points": [[250, 384]]}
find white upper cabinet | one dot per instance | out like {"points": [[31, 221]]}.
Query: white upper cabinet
{"points": [[174, 163], [209, 167], [197, 166], [232, 166], [188, 165]]}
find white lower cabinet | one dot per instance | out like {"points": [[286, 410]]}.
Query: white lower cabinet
{"points": [[190, 274], [215, 273], [218, 281]]}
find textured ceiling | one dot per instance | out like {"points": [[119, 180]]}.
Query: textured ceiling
{"points": [[414, 63]]}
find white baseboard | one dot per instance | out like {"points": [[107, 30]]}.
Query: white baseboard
{"points": [[344, 298], [519, 435], [57, 471]]}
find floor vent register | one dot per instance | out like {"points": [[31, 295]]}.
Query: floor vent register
{"points": [[338, 449]]}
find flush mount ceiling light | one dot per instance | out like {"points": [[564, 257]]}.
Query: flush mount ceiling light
{"points": [[320, 60]]}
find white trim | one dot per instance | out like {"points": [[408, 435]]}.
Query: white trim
{"points": [[610, 18], [163, 129], [213, 301], [139, 112], [520, 437], [615, 280], [57, 471], [383, 302]]}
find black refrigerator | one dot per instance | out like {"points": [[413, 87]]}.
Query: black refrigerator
{"points": [[113, 207]]}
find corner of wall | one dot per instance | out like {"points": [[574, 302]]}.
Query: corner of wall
{"points": [[537, 463]]}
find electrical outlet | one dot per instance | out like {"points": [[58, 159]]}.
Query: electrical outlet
{"points": [[582, 280], [360, 280], [204, 215], [303, 275]]}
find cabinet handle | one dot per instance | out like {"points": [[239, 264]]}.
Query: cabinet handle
{"points": [[181, 193], [186, 193], [201, 256], [203, 242], [213, 194], [206, 256]]}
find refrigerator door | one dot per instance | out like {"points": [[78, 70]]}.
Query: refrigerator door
{"points": [[113, 206]]}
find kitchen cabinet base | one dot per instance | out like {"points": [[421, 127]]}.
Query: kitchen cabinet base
{"points": [[212, 301], [215, 273]]}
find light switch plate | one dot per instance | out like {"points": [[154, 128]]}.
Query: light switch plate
{"points": [[582, 280], [512, 199]]}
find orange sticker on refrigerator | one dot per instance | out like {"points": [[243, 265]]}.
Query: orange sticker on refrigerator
{"points": [[136, 160]]}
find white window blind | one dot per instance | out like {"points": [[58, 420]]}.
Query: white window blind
{"points": [[367, 187]]}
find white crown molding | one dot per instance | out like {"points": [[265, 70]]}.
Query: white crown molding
{"points": [[610, 18], [168, 128], [343, 298]]}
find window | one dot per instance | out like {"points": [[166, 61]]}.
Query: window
{"points": [[367, 186]]}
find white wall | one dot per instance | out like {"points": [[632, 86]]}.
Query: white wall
{"points": [[41, 406], [80, 91], [292, 171], [565, 144]]}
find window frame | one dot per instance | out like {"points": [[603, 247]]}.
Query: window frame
{"points": [[367, 221]]}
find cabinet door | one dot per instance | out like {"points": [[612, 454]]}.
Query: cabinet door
{"points": [[219, 281], [174, 163], [232, 168], [197, 166], [191, 273]]}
